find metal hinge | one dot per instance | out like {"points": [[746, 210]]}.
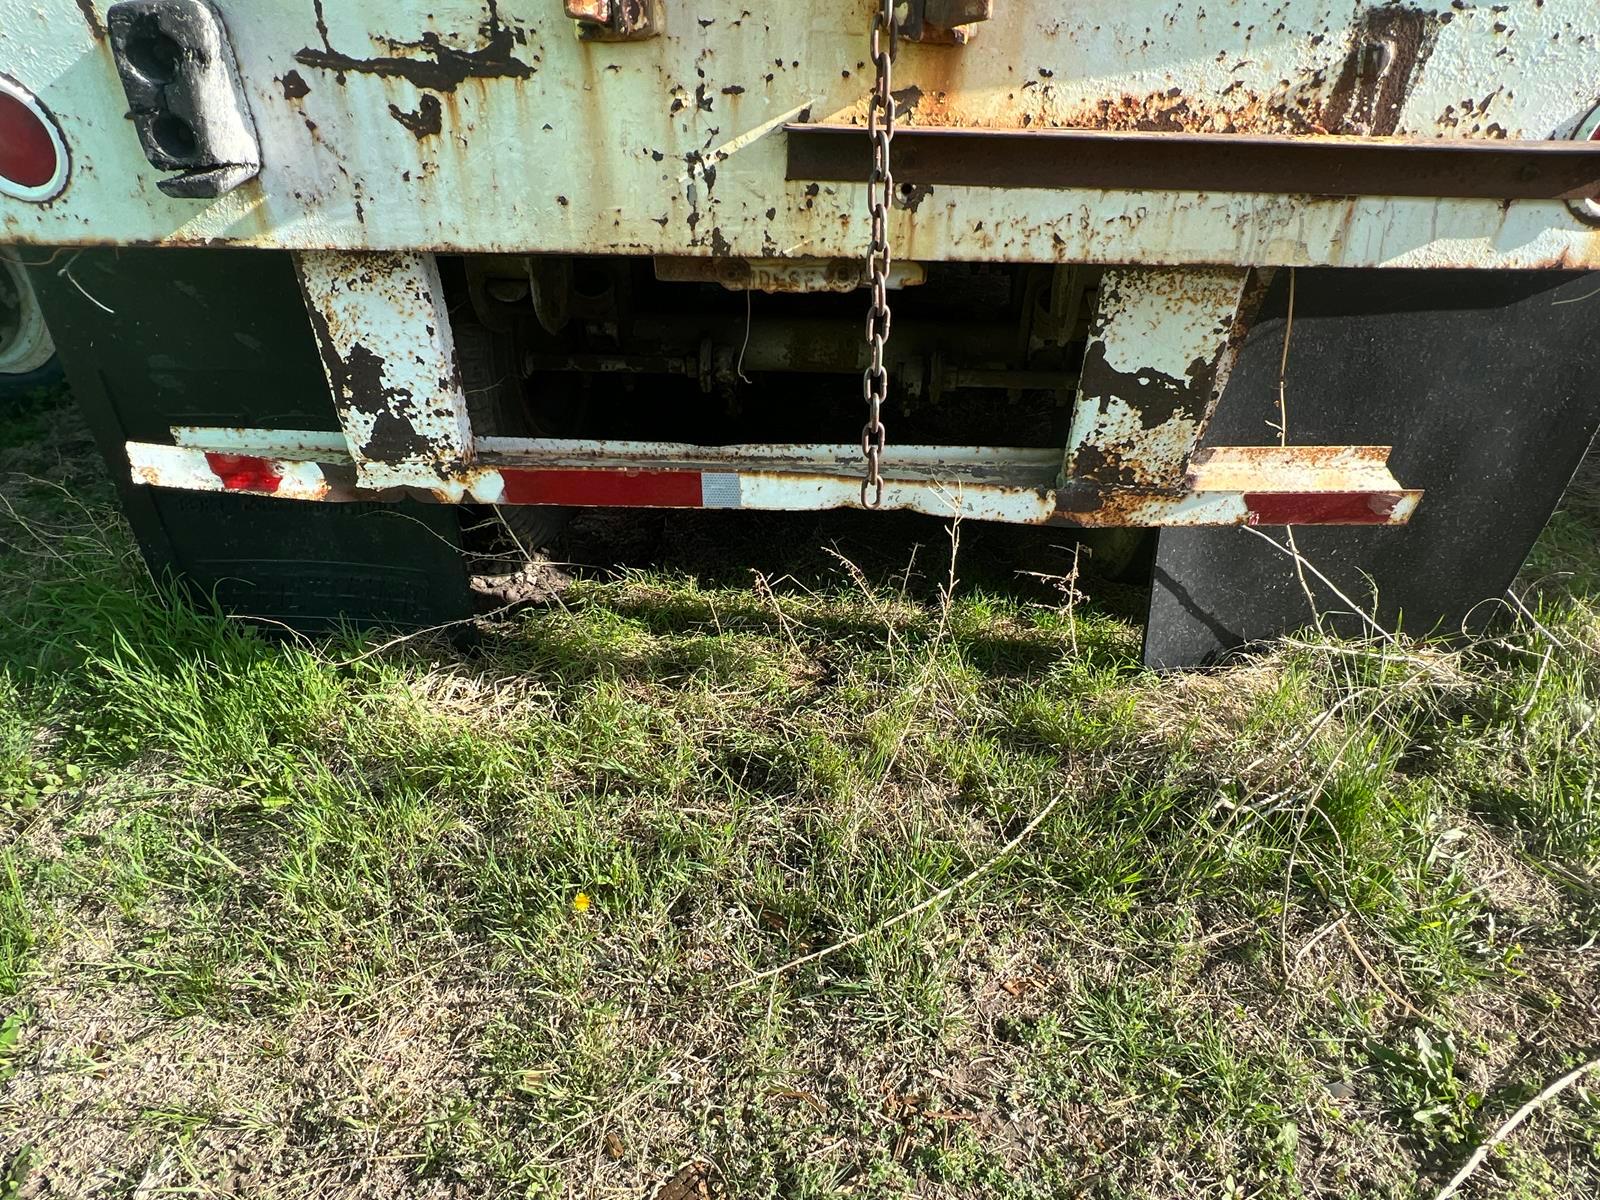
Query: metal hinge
{"points": [[944, 22], [615, 20]]}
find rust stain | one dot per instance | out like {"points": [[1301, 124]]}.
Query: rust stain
{"points": [[1096, 504], [1389, 49], [427, 121], [1364, 96], [92, 19], [444, 68], [1102, 464], [1236, 110], [294, 86]]}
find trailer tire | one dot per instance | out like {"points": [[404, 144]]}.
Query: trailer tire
{"points": [[28, 360]]}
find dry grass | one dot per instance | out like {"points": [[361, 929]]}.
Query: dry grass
{"points": [[1011, 917]]}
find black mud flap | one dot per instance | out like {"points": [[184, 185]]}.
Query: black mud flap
{"points": [[1487, 385], [156, 338]]}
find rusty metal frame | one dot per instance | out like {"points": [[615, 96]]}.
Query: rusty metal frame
{"points": [[1159, 352], [1335, 485], [1062, 159], [383, 331]]}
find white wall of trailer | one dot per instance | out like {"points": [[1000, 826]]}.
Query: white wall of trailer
{"points": [[675, 144]]}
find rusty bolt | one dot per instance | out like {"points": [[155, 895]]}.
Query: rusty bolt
{"points": [[615, 20], [589, 12]]}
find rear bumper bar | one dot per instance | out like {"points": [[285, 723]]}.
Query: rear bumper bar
{"points": [[1306, 485]]}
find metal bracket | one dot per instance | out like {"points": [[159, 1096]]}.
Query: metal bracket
{"points": [[184, 96], [383, 330], [615, 20], [1158, 355], [944, 22]]}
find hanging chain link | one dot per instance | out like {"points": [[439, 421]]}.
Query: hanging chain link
{"points": [[880, 198]]}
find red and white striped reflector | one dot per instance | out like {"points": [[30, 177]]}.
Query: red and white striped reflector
{"points": [[623, 489], [1238, 485], [33, 154], [245, 472], [567, 486]]}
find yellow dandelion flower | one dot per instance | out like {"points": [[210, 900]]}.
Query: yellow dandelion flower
{"points": [[580, 902]]}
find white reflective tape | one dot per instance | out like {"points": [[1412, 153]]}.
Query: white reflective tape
{"points": [[720, 489]]}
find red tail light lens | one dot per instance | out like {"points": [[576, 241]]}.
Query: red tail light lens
{"points": [[33, 155]]}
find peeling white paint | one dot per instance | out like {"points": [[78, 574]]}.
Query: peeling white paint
{"points": [[383, 332], [592, 151], [1156, 334]]}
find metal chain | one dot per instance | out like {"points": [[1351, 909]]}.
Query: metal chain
{"points": [[880, 197]]}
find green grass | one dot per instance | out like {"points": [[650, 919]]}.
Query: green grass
{"points": [[348, 918]]}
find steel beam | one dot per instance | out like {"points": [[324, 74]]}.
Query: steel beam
{"points": [[1061, 159]]}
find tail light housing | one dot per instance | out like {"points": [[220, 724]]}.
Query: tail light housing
{"points": [[34, 163]]}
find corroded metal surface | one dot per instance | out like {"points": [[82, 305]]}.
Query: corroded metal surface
{"points": [[592, 12], [1491, 168], [384, 336], [1157, 357], [783, 274], [1225, 486], [945, 22], [616, 20], [489, 126]]}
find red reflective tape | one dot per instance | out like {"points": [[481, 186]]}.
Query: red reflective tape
{"points": [[642, 489], [1321, 508], [244, 472], [27, 151]]}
